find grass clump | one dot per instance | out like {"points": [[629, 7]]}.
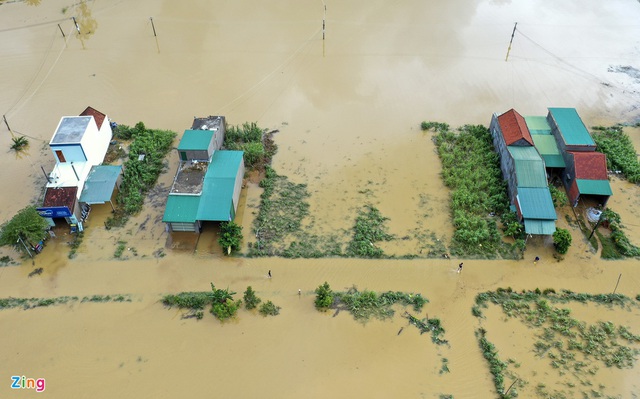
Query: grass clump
{"points": [[122, 245], [496, 366], [19, 143], [368, 229], [269, 309], [471, 169], [617, 146], [188, 300], [75, 244]]}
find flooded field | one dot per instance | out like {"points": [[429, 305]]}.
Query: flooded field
{"points": [[348, 110]]}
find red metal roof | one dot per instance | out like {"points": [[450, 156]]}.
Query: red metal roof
{"points": [[62, 196], [590, 165], [514, 127], [97, 115]]}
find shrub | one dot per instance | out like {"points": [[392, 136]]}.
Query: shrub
{"points": [[559, 197], [251, 301], [230, 237], [269, 309], [324, 297], [19, 143], [225, 310], [24, 229], [562, 240]]}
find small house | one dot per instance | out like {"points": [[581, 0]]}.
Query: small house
{"points": [[586, 176], [79, 144]]}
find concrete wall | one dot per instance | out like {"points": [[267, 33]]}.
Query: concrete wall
{"points": [[96, 142], [70, 152]]}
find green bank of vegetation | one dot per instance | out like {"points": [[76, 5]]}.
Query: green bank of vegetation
{"points": [[257, 144], [471, 169], [574, 348], [30, 303], [617, 146], [144, 164], [615, 245], [223, 304]]}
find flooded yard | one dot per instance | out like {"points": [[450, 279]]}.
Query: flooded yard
{"points": [[348, 112]]}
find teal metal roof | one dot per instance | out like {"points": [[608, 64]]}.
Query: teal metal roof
{"points": [[100, 184], [181, 209], [536, 203], [594, 187], [537, 125], [215, 203], [548, 149], [530, 171], [571, 126], [219, 182], [539, 227], [195, 140]]}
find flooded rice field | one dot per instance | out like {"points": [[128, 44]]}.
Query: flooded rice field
{"points": [[348, 112]]}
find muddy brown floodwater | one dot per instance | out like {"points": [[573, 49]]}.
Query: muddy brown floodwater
{"points": [[348, 111]]}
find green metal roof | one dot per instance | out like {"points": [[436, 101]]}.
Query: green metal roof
{"points": [[100, 184], [195, 140], [530, 171], [539, 227], [548, 149], [571, 126], [536, 203], [537, 125], [181, 209], [594, 187], [215, 203]]}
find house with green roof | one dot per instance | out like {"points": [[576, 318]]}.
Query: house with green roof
{"points": [[524, 170], [204, 189]]}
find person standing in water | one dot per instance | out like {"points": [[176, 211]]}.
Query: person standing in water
{"points": [[460, 267], [269, 273]]}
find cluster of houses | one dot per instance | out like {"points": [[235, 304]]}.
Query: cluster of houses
{"points": [[206, 186], [535, 149], [208, 182]]}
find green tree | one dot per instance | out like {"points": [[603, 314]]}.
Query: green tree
{"points": [[223, 306], [230, 237], [324, 297], [562, 240], [27, 225], [250, 298]]}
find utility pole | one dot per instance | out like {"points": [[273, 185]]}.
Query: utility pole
{"points": [[153, 26], [614, 290], [324, 17], [511, 41], [61, 31], [76, 23]]}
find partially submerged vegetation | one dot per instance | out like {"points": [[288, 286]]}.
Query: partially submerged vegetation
{"points": [[617, 146], [616, 245], [366, 304], [230, 237], [142, 168], [257, 144], [222, 302], [573, 347], [470, 168], [30, 303], [369, 228], [19, 143]]}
